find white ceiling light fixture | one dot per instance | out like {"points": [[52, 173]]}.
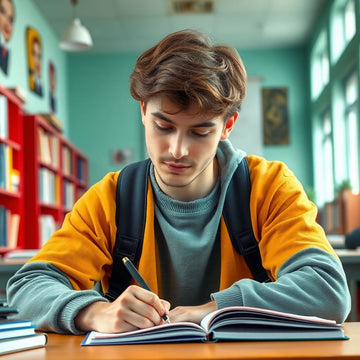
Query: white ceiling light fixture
{"points": [[76, 37]]}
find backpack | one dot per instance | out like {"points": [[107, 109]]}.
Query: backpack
{"points": [[130, 219]]}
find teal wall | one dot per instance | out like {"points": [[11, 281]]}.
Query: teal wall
{"points": [[103, 116], [27, 14], [288, 68], [99, 115]]}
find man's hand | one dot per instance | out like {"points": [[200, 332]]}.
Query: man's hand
{"points": [[192, 313], [135, 308]]}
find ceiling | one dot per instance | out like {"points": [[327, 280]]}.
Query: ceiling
{"points": [[135, 25]]}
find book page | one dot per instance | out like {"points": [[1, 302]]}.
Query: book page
{"points": [[181, 331], [253, 315]]}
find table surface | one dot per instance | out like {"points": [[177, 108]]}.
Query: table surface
{"points": [[68, 347]]}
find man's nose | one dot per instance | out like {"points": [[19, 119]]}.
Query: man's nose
{"points": [[178, 146]]}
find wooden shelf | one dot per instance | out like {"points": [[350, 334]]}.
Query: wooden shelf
{"points": [[42, 174], [11, 170], [53, 184]]}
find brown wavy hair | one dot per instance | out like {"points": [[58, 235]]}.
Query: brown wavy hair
{"points": [[187, 68]]}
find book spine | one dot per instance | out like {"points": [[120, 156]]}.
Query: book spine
{"points": [[4, 131]]}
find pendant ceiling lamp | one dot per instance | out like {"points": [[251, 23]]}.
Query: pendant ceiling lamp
{"points": [[76, 37]]}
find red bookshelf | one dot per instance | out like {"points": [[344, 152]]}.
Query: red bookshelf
{"points": [[56, 176], [11, 171]]}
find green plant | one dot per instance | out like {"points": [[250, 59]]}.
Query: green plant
{"points": [[344, 185]]}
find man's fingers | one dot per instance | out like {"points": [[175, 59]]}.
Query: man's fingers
{"points": [[145, 309]]}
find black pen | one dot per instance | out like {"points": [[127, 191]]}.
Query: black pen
{"points": [[137, 277]]}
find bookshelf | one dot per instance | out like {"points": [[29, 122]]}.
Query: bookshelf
{"points": [[56, 176], [11, 171]]}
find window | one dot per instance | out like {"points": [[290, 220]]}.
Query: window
{"points": [[351, 130], [320, 66], [349, 20], [326, 171], [343, 26]]}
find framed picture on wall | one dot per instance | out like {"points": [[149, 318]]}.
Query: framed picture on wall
{"points": [[275, 116], [34, 57], [123, 156], [52, 87], [7, 11]]}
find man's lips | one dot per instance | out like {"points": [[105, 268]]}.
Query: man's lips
{"points": [[176, 167]]}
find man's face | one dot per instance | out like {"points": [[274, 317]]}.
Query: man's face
{"points": [[6, 18], [182, 146]]}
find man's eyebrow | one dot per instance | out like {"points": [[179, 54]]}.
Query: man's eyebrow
{"points": [[206, 123]]}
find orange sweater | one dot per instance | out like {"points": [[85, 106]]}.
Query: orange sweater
{"points": [[282, 217]]}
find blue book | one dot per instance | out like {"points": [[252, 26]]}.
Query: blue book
{"points": [[3, 169], [3, 228]]}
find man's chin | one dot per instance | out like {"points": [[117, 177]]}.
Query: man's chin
{"points": [[172, 181]]}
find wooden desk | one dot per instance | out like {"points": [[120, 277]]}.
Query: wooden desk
{"points": [[68, 347]]}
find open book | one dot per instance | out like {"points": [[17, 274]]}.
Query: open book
{"points": [[229, 324]]}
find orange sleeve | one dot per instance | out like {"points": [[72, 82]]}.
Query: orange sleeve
{"points": [[283, 219]]}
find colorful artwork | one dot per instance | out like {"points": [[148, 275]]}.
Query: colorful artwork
{"points": [[123, 156], [275, 116], [7, 12], [34, 55]]}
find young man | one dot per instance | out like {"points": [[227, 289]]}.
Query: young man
{"points": [[190, 93]]}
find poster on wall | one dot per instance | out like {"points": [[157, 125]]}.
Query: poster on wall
{"points": [[34, 53], [52, 87], [7, 12], [123, 156], [275, 116]]}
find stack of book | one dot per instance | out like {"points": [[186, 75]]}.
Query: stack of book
{"points": [[16, 335]]}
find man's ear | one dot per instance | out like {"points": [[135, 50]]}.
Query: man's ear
{"points": [[142, 109], [229, 126]]}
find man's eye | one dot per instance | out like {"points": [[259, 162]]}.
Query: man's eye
{"points": [[201, 133], [162, 128]]}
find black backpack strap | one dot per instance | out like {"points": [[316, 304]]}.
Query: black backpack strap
{"points": [[132, 184], [237, 217]]}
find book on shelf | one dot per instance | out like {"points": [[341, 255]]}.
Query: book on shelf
{"points": [[48, 148], [9, 228], [66, 161], [80, 169], [4, 130], [3, 225], [13, 234], [48, 186], [14, 180], [9, 176], [47, 226], [237, 323], [53, 121], [69, 194], [5, 166]]}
